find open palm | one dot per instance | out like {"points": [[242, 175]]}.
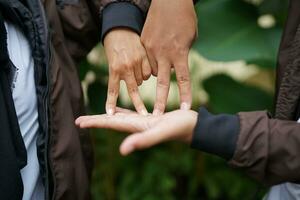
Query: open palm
{"points": [[146, 130]]}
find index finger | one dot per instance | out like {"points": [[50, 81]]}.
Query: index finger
{"points": [[184, 83], [133, 92], [125, 123], [162, 87], [112, 93]]}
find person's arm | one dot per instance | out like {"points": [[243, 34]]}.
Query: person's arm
{"points": [[270, 146], [118, 23], [266, 149], [79, 24], [122, 24]]}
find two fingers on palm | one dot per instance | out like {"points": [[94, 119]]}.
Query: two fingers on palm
{"points": [[163, 68], [133, 74], [147, 131]]}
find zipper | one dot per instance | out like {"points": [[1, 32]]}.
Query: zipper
{"points": [[48, 138], [45, 101]]}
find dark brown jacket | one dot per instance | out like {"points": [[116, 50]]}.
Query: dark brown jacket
{"points": [[61, 33], [75, 29], [268, 149]]}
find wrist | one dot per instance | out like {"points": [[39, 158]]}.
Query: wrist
{"points": [[216, 134], [192, 121], [119, 34]]}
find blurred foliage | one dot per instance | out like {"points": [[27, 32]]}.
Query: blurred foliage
{"points": [[228, 31]]}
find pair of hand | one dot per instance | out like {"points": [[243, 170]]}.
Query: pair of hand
{"points": [[168, 33], [147, 130]]}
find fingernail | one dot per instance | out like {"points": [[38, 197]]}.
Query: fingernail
{"points": [[156, 112], [185, 106], [110, 111], [144, 112]]}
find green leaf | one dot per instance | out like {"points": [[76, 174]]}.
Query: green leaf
{"points": [[229, 96], [228, 31]]}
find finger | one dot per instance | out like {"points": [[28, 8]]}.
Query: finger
{"points": [[133, 92], [83, 119], [162, 88], [125, 123], [119, 112], [80, 119], [138, 73], [112, 93], [153, 64], [146, 68], [146, 139], [184, 84]]}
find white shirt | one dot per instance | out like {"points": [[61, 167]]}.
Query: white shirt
{"points": [[25, 101]]}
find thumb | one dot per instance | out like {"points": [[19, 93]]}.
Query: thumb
{"points": [[144, 140]]}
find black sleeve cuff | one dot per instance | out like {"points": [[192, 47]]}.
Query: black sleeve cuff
{"points": [[216, 134], [122, 14]]}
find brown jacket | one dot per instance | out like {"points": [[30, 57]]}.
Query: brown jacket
{"points": [[268, 149], [74, 29]]}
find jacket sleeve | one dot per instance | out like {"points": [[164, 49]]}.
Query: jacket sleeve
{"points": [[264, 148], [80, 22], [268, 149]]}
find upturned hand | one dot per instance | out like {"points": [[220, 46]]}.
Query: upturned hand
{"points": [[146, 131]]}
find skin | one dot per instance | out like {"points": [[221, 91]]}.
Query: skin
{"points": [[127, 61], [146, 131], [168, 33]]}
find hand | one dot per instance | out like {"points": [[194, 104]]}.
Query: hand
{"points": [[169, 31], [127, 61], [147, 130]]}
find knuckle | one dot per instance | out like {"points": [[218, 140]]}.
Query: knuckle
{"points": [[114, 69], [162, 83], [112, 92], [136, 61], [130, 64], [183, 79], [132, 90], [127, 65]]}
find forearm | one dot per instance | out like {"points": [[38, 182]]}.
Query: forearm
{"points": [[266, 149]]}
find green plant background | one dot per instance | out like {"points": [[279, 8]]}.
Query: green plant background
{"points": [[232, 67]]}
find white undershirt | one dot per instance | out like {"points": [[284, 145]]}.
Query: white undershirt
{"points": [[25, 101]]}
